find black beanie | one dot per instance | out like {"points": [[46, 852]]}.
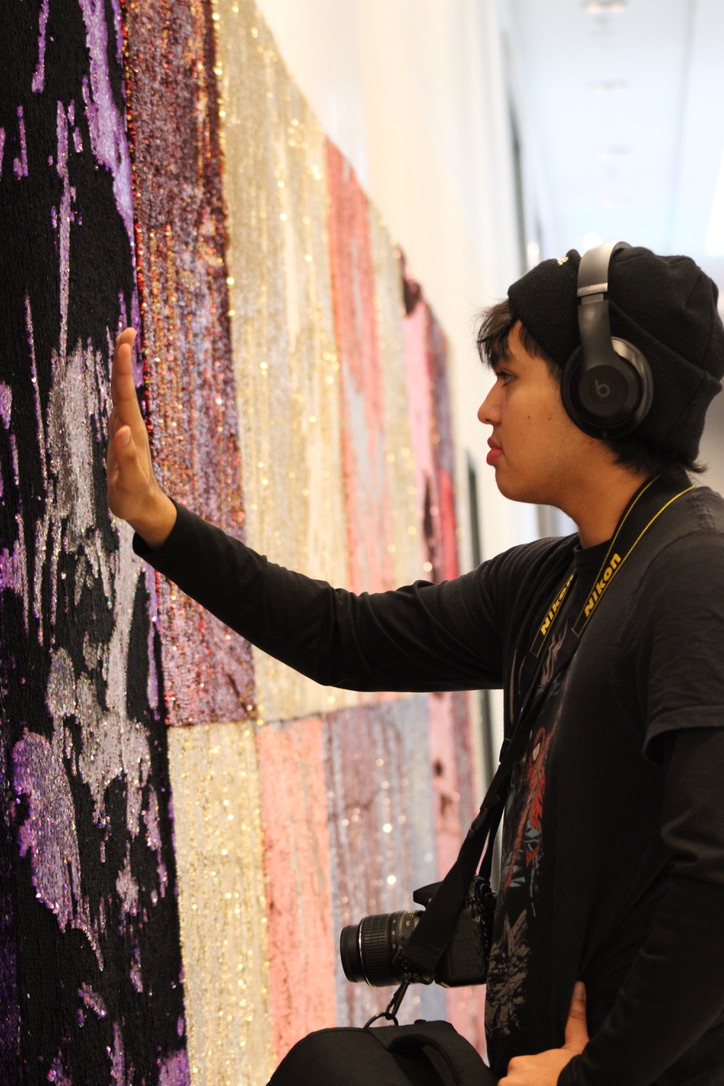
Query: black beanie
{"points": [[665, 306]]}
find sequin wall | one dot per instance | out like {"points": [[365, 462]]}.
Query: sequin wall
{"points": [[90, 950], [159, 167]]}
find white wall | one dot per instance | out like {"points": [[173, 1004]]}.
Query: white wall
{"points": [[413, 92], [712, 446]]}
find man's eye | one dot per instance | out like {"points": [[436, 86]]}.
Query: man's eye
{"points": [[504, 376]]}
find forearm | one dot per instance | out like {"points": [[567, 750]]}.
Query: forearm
{"points": [[418, 638], [671, 996], [675, 988]]}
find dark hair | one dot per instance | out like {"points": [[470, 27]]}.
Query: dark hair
{"points": [[496, 324]]}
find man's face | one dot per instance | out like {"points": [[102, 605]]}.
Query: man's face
{"points": [[538, 453]]}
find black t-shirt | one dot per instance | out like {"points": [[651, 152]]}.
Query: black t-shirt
{"points": [[520, 974], [522, 977], [614, 833]]}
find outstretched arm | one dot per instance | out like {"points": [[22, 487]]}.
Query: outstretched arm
{"points": [[133, 492]]}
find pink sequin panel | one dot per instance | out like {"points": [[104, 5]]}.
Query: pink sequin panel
{"points": [[441, 438], [181, 241], [363, 438], [381, 826], [299, 902], [456, 803]]}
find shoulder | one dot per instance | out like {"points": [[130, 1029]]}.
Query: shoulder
{"points": [[516, 569], [701, 510], [675, 617], [541, 554], [687, 549], [519, 584]]}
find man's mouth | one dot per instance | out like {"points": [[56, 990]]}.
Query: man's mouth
{"points": [[495, 453]]}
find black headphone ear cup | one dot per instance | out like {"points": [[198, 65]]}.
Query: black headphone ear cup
{"points": [[609, 399]]}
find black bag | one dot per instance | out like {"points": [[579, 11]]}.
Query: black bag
{"points": [[424, 1054]]}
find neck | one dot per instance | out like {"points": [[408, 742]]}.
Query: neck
{"points": [[599, 509]]}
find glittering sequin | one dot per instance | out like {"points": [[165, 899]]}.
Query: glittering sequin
{"points": [[367, 490], [299, 895], [222, 902], [400, 379], [87, 848], [381, 829], [426, 356], [181, 240], [289, 399], [282, 325]]}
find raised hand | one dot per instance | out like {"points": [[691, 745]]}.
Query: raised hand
{"points": [[133, 492]]}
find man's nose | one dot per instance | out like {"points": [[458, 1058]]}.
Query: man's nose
{"points": [[488, 412]]}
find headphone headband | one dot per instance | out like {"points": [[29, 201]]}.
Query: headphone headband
{"points": [[606, 384], [594, 267]]}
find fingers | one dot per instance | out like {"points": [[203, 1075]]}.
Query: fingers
{"points": [[126, 412], [544, 1068], [576, 1026], [123, 389], [124, 468], [122, 444], [128, 462], [133, 493]]}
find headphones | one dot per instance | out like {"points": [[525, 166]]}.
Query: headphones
{"points": [[606, 384]]}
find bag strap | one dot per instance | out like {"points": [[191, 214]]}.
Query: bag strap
{"points": [[421, 953], [451, 1058], [419, 956]]}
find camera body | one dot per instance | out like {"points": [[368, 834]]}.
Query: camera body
{"points": [[370, 951]]}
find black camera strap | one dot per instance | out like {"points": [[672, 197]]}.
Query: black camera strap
{"points": [[425, 947], [421, 953]]}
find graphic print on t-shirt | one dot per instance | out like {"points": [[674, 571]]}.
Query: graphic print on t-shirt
{"points": [[519, 902]]}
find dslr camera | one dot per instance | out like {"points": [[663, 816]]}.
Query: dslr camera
{"points": [[370, 950]]}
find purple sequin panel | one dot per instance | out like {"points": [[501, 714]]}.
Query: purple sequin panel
{"points": [[89, 937]]}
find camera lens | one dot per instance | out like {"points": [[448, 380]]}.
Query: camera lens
{"points": [[368, 950]]}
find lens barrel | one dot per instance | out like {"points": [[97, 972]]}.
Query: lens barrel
{"points": [[368, 950]]}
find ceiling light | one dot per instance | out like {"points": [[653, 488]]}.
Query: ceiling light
{"points": [[608, 86], [614, 203], [604, 7], [611, 152]]}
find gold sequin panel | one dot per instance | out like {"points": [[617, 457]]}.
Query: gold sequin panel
{"points": [[285, 355], [405, 544], [222, 903]]}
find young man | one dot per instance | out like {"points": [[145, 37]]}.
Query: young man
{"points": [[608, 645]]}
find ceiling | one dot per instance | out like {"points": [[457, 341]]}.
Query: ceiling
{"points": [[621, 118], [620, 113]]}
